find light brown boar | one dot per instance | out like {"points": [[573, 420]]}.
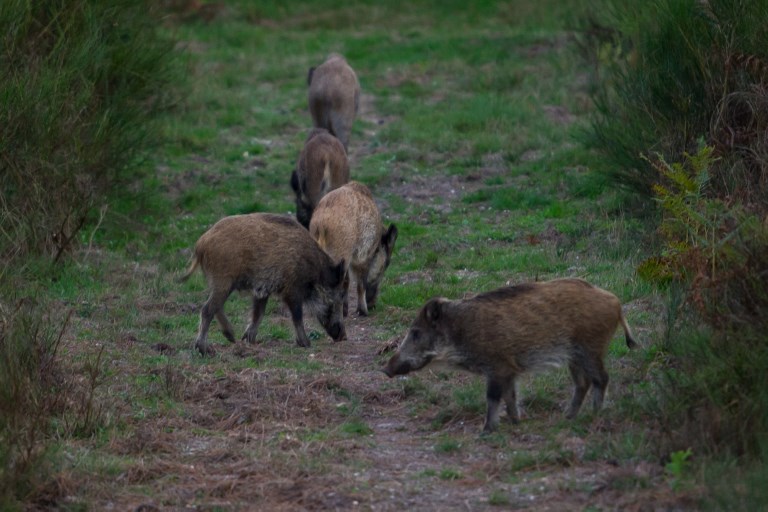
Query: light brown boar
{"points": [[347, 225], [322, 167], [512, 330], [334, 97], [267, 254]]}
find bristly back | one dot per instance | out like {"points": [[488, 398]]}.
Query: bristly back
{"points": [[506, 292], [284, 220]]}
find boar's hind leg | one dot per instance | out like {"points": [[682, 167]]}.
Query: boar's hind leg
{"points": [[297, 316], [362, 304], [498, 388], [340, 129], [580, 387], [213, 307], [510, 398], [226, 326], [600, 383], [587, 370], [259, 306]]}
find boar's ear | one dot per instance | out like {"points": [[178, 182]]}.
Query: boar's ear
{"points": [[295, 182], [388, 239], [433, 310], [309, 75]]}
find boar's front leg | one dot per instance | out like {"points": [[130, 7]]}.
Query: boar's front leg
{"points": [[259, 306], [297, 316], [345, 285], [499, 387]]}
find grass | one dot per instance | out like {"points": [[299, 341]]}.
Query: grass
{"points": [[466, 137]]}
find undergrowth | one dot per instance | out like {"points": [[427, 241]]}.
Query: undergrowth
{"points": [[81, 81], [668, 72]]}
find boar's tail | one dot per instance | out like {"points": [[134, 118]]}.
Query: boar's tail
{"points": [[631, 343], [192, 267]]}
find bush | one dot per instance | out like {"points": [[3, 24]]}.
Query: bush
{"points": [[29, 395], [715, 394], [42, 399], [671, 71], [687, 82], [81, 80]]}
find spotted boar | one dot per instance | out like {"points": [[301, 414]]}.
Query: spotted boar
{"points": [[334, 97], [322, 167], [512, 330], [267, 254], [347, 225]]}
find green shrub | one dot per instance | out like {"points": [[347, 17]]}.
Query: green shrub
{"points": [[41, 398], [79, 82], [671, 71], [714, 394], [29, 395]]}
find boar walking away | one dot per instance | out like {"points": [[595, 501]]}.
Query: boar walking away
{"points": [[516, 329], [347, 225], [267, 254], [334, 97], [322, 167]]}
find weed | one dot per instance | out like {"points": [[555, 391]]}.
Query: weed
{"points": [[356, 427], [498, 499], [678, 467], [448, 445], [449, 474]]}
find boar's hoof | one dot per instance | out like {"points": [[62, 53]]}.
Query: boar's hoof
{"points": [[487, 430], [249, 336], [206, 350]]}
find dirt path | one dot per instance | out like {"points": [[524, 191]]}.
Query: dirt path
{"points": [[342, 436]]}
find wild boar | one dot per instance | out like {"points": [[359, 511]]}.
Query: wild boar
{"points": [[267, 254], [322, 167], [347, 225], [334, 97], [506, 332]]}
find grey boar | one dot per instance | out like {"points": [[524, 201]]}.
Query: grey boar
{"points": [[267, 254], [347, 225], [334, 97], [322, 167], [506, 332]]}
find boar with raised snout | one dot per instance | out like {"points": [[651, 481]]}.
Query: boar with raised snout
{"points": [[506, 332], [347, 225], [267, 254], [334, 97], [322, 167]]}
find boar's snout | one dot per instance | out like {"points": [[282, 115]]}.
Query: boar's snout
{"points": [[337, 332], [396, 366]]}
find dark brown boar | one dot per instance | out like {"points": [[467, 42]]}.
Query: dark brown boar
{"points": [[347, 225], [322, 167], [267, 254], [506, 332], [334, 97]]}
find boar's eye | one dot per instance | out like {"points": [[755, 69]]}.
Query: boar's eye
{"points": [[415, 335]]}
